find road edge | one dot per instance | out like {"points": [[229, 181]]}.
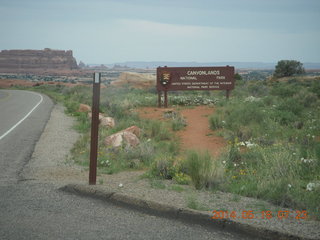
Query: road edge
{"points": [[169, 211]]}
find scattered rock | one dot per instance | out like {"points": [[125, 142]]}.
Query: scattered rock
{"points": [[107, 121], [131, 139], [122, 137], [100, 116], [103, 120], [84, 108], [252, 99], [114, 140], [133, 129]]}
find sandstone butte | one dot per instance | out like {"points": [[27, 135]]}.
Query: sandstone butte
{"points": [[34, 60]]}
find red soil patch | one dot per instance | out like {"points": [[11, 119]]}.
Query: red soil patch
{"points": [[197, 135], [7, 83]]}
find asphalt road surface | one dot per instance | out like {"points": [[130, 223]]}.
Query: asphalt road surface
{"points": [[30, 209], [23, 116]]}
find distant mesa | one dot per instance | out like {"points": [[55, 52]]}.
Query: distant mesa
{"points": [[36, 60]]}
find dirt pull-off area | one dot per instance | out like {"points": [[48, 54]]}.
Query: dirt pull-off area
{"points": [[197, 134]]}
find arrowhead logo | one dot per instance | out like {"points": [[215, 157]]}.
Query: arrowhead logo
{"points": [[165, 78]]}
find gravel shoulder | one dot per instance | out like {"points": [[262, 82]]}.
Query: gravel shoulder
{"points": [[50, 163]]}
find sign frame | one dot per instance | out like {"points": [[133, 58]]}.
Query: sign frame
{"points": [[194, 78]]}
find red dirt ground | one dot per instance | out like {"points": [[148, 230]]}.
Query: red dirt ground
{"points": [[197, 134], [7, 83]]}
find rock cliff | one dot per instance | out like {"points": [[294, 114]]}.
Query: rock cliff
{"points": [[47, 59]]}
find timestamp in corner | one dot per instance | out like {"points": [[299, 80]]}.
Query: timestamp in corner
{"points": [[250, 214]]}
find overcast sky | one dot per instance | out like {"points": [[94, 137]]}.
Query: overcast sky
{"points": [[108, 31]]}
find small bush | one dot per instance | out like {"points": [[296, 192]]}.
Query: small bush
{"points": [[178, 123], [83, 124], [159, 131], [163, 167], [203, 169], [182, 178], [215, 122]]}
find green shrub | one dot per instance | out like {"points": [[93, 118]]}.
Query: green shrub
{"points": [[277, 174], [291, 105], [159, 131], [215, 122], [182, 178], [283, 90], [203, 169], [178, 123], [83, 124], [163, 167]]}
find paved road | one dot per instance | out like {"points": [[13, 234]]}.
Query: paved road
{"points": [[30, 209], [23, 116]]}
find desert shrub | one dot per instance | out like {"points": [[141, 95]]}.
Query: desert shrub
{"points": [[284, 117], [257, 89], [216, 122], [159, 131], [191, 99], [178, 124], [244, 114], [163, 167], [182, 178], [290, 105], [283, 90], [277, 174], [315, 87], [306, 99], [83, 124], [71, 106], [203, 169], [233, 155]]}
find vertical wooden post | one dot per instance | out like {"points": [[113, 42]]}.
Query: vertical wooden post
{"points": [[159, 99], [94, 129], [165, 98], [227, 94]]}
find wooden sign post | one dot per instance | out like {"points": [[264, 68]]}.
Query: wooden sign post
{"points": [[94, 129]]}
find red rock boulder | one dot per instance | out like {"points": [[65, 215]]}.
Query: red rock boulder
{"points": [[84, 108], [120, 138]]}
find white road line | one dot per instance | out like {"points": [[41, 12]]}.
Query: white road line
{"points": [[13, 127]]}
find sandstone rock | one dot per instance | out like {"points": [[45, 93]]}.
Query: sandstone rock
{"points": [[100, 116], [84, 108], [37, 59], [107, 121], [130, 139], [114, 140], [133, 129], [103, 120], [123, 137]]}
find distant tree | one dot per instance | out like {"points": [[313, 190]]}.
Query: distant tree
{"points": [[237, 77], [287, 68]]}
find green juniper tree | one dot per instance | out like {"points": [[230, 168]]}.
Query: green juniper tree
{"points": [[287, 68]]}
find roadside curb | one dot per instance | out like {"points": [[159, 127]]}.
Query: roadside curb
{"points": [[170, 211]]}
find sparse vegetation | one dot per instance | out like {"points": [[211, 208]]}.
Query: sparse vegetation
{"points": [[274, 143], [272, 128], [203, 170]]}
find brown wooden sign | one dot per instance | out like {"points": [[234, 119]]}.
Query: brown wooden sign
{"points": [[195, 78]]}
